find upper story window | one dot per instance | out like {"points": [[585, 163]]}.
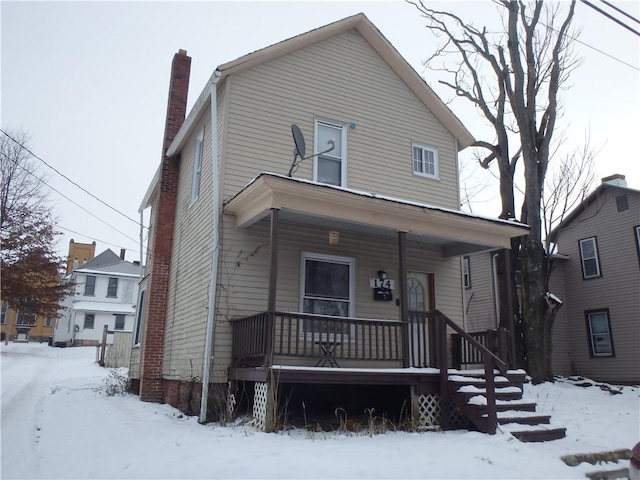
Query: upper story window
{"points": [[589, 258], [466, 271], [425, 161], [3, 312], [197, 167], [90, 285], [622, 203], [48, 320], [26, 319], [112, 289], [331, 141]]}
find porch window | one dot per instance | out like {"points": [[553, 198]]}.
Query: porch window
{"points": [[119, 322], [89, 320], [425, 161], [599, 329], [327, 290], [330, 167], [589, 258]]}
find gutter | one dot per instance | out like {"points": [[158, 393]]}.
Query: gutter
{"points": [[213, 283]]}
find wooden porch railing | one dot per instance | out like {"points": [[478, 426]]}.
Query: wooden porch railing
{"points": [[306, 335], [490, 361], [463, 353]]}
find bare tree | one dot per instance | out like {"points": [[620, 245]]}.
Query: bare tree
{"points": [[30, 266], [513, 77]]}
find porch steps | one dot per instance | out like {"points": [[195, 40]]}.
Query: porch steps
{"points": [[514, 415]]}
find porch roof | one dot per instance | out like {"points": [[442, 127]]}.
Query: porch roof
{"points": [[310, 203]]}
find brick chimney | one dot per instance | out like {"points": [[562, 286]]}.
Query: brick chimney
{"points": [[123, 252], [616, 179], [151, 382]]}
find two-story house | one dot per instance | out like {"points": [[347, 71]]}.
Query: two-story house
{"points": [[596, 274], [599, 268], [106, 290], [311, 275]]}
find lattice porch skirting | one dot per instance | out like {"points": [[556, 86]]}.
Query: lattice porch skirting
{"points": [[429, 413], [260, 405]]}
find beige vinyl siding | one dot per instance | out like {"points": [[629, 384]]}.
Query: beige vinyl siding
{"points": [[618, 288], [344, 80], [244, 270], [479, 299], [190, 264]]}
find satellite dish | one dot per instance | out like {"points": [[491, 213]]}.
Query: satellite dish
{"points": [[298, 140], [300, 148]]}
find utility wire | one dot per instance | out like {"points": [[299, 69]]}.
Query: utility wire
{"points": [[610, 17], [68, 179], [620, 11], [63, 195], [93, 238]]}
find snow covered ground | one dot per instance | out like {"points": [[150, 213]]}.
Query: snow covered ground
{"points": [[57, 422]]}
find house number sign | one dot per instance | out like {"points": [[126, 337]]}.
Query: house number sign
{"points": [[382, 288]]}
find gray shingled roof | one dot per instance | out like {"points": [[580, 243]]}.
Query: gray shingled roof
{"points": [[109, 262]]}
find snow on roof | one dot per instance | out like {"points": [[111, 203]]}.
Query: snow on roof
{"points": [[104, 307], [382, 197]]}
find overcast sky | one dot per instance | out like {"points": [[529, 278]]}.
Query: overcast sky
{"points": [[89, 82]]}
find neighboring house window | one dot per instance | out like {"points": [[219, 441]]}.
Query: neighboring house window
{"points": [[589, 258], [599, 329], [112, 289], [425, 161], [327, 290], [119, 322], [89, 319], [139, 319], [90, 285], [48, 320], [25, 319], [622, 203], [331, 166], [466, 272], [197, 167], [3, 312]]}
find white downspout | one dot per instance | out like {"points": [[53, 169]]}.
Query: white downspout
{"points": [[213, 283]]}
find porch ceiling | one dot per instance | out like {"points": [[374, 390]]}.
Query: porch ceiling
{"points": [[310, 203]]}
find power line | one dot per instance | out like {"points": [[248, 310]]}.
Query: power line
{"points": [[68, 179], [92, 238], [610, 17], [620, 11], [63, 195]]}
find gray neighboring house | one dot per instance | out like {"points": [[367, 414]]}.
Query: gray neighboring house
{"points": [[105, 294], [597, 276]]}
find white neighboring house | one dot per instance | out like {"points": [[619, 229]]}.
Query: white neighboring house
{"points": [[105, 294]]}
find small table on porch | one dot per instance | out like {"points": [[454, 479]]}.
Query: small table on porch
{"points": [[327, 353]]}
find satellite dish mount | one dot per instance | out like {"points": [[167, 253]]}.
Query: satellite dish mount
{"points": [[300, 149]]}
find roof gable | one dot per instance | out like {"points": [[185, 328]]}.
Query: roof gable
{"points": [[377, 41], [109, 262]]}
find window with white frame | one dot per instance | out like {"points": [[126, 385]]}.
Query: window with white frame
{"points": [[48, 320], [89, 320], [137, 336], [327, 289], [425, 161], [331, 142], [90, 285], [589, 258], [466, 271], [599, 329], [112, 289], [197, 167], [119, 324]]}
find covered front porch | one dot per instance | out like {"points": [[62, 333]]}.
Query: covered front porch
{"points": [[325, 340]]}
